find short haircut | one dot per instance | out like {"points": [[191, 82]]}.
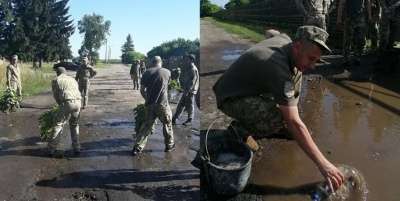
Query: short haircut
{"points": [[308, 42], [156, 60], [60, 70]]}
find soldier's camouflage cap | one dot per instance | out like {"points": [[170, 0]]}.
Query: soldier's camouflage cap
{"points": [[314, 33]]}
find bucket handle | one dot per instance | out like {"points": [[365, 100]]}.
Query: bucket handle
{"points": [[208, 155]]}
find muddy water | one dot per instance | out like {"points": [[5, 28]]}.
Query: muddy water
{"points": [[353, 123]]}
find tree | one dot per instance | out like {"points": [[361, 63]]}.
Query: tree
{"points": [[95, 31], [177, 47], [131, 56], [126, 48], [207, 9]]}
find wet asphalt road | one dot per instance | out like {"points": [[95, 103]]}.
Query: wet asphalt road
{"points": [[105, 170]]}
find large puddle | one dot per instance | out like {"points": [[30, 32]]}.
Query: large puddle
{"points": [[353, 123]]}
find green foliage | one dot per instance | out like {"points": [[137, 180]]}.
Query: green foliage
{"points": [[176, 47], [131, 56], [46, 122], [140, 113], [35, 30], [174, 85], [9, 101], [94, 29], [207, 9]]}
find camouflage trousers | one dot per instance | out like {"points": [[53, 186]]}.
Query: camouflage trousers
{"points": [[154, 111], [69, 109], [257, 116], [84, 89], [185, 103], [16, 86], [135, 79], [317, 20], [389, 29], [373, 34], [354, 30]]}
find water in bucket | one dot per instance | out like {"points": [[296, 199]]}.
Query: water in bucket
{"points": [[229, 160]]}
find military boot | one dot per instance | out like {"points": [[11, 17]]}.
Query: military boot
{"points": [[188, 122]]}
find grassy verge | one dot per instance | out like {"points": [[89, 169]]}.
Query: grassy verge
{"points": [[33, 80], [255, 33]]}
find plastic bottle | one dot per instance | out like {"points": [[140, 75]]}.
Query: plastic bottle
{"points": [[322, 191]]}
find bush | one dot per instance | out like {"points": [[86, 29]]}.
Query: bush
{"points": [[9, 101], [140, 113], [46, 123]]}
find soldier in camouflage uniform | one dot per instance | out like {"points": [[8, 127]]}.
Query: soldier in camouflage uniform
{"points": [[314, 12], [154, 89], [373, 26], [190, 89], [14, 75], [389, 25], [354, 27], [67, 95], [261, 89], [83, 75], [135, 74]]}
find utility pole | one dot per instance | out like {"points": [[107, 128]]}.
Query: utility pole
{"points": [[105, 56]]}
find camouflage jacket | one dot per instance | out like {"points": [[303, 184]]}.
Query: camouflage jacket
{"points": [[192, 84], [84, 73], [313, 7], [13, 74], [65, 88], [135, 69]]}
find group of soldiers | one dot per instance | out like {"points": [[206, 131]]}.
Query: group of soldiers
{"points": [[137, 69], [360, 16], [154, 87]]}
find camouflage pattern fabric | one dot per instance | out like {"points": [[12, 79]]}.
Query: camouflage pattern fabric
{"points": [[192, 84], [154, 111], [83, 75], [373, 27], [175, 75], [389, 27], [316, 9], [14, 78], [67, 95], [354, 29], [257, 116], [318, 20], [185, 103]]}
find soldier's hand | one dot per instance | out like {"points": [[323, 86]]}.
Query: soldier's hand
{"points": [[339, 23]]}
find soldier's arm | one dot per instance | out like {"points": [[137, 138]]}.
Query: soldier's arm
{"points": [[191, 81], [368, 6], [55, 92], [93, 72], [302, 9], [78, 71], [143, 91], [8, 75]]}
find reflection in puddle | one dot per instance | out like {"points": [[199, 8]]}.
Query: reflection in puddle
{"points": [[231, 54]]}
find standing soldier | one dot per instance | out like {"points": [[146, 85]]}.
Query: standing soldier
{"points": [[313, 11], [154, 89], [354, 27], [373, 26], [67, 95], [14, 75], [389, 27], [142, 67], [135, 74], [189, 91], [83, 75]]}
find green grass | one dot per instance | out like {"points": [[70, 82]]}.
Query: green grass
{"points": [[255, 33]]}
